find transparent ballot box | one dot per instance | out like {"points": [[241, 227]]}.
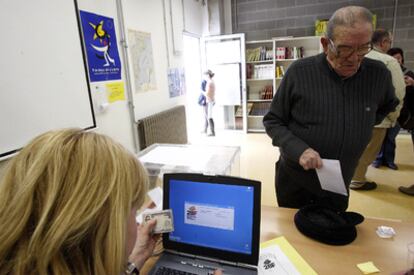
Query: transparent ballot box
{"points": [[178, 158]]}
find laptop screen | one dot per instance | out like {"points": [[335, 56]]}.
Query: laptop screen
{"points": [[214, 214]]}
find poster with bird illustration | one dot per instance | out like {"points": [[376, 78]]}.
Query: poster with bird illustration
{"points": [[101, 47]]}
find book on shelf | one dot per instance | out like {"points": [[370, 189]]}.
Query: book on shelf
{"points": [[280, 71], [280, 52], [249, 107], [262, 71], [267, 92], [289, 52], [239, 111], [249, 71], [269, 54], [260, 109], [258, 54], [239, 123]]}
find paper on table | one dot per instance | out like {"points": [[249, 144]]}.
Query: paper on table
{"points": [[279, 257], [330, 177], [368, 268], [273, 261]]}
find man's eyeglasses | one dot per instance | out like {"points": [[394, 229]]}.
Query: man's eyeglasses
{"points": [[343, 51]]}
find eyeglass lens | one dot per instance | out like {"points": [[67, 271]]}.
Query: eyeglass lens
{"points": [[344, 51]]}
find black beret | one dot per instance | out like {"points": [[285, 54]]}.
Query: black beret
{"points": [[327, 225]]}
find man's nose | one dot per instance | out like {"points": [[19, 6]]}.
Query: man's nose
{"points": [[354, 57]]}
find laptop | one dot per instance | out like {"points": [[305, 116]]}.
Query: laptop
{"points": [[216, 225]]}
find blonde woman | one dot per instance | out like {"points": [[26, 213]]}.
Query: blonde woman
{"points": [[67, 206]]}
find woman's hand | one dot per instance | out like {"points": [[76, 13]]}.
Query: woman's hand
{"points": [[408, 81], [145, 243]]}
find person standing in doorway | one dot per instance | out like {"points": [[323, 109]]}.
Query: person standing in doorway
{"points": [[209, 91]]}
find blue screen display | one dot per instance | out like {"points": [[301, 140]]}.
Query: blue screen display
{"points": [[212, 215]]}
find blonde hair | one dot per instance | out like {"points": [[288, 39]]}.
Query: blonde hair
{"points": [[64, 204]]}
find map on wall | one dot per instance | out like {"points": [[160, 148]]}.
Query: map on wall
{"points": [[140, 48]]}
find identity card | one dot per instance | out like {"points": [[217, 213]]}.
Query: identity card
{"points": [[164, 220]]}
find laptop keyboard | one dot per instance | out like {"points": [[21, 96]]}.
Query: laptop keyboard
{"points": [[169, 271]]}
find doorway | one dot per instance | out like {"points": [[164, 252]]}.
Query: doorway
{"points": [[224, 55]]}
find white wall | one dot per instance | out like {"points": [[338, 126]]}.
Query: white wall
{"points": [[146, 16], [195, 17], [115, 121]]}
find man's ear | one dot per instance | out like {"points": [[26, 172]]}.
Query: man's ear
{"points": [[325, 44]]}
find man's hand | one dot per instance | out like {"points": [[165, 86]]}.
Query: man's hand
{"points": [[408, 81], [145, 243], [310, 159]]}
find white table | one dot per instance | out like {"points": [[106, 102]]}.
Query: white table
{"points": [[160, 158]]}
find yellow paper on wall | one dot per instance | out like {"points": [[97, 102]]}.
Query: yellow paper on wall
{"points": [[115, 91], [320, 27], [282, 245]]}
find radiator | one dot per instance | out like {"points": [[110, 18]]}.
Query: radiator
{"points": [[165, 127]]}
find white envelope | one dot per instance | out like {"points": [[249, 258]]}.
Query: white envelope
{"points": [[330, 177]]}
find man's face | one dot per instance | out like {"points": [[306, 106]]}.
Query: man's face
{"points": [[386, 44], [348, 47], [399, 58]]}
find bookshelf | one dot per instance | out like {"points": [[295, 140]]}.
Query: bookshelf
{"points": [[290, 49], [266, 63], [260, 82]]}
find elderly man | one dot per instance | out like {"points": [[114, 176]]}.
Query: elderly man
{"points": [[381, 41], [325, 108]]}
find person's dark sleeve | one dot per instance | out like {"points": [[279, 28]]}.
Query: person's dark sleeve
{"points": [[409, 73], [276, 121], [203, 85], [389, 101]]}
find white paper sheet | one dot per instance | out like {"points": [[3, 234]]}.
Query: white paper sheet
{"points": [[273, 261], [330, 177]]}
